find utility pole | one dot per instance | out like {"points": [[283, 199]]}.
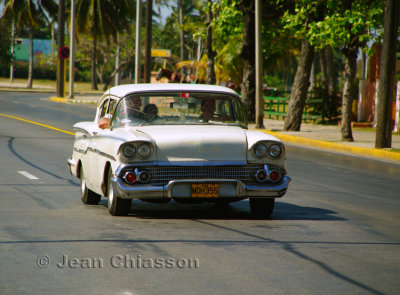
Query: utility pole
{"points": [[137, 49], [72, 51], [12, 51], [181, 32], [259, 70], [118, 73]]}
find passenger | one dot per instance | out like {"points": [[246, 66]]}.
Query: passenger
{"points": [[207, 109], [150, 112]]}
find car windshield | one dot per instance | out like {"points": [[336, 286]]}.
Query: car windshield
{"points": [[179, 108]]}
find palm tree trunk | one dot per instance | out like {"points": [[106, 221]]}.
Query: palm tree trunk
{"points": [[147, 50], [30, 73], [330, 70], [384, 126], [210, 73], [300, 86], [324, 70], [93, 73], [350, 66], [248, 91], [60, 43]]}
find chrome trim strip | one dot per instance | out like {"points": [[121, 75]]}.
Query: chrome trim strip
{"points": [[275, 191], [104, 154], [76, 129], [181, 164], [202, 163], [97, 152], [80, 151], [71, 163], [145, 191], [126, 191], [94, 151]]}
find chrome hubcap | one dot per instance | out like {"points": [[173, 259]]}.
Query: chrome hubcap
{"points": [[83, 186], [110, 195]]}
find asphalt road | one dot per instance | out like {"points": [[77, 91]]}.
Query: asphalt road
{"points": [[336, 231]]}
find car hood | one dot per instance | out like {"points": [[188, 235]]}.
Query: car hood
{"points": [[197, 143]]}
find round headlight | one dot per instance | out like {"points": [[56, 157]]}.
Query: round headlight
{"points": [[144, 150], [260, 150], [275, 151], [129, 150]]}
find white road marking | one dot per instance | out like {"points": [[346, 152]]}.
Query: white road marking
{"points": [[27, 175]]}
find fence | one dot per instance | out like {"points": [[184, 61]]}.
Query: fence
{"points": [[275, 107]]}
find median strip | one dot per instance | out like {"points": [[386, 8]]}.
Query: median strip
{"points": [[36, 123]]}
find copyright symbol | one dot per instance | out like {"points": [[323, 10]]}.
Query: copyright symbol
{"points": [[43, 261]]}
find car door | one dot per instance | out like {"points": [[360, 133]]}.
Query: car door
{"points": [[99, 139]]}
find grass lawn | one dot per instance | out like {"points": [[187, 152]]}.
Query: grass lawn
{"points": [[47, 84]]}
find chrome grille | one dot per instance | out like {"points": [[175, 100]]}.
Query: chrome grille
{"points": [[161, 175]]}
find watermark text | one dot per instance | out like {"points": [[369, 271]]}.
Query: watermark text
{"points": [[117, 261]]}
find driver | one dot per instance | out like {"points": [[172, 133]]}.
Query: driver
{"points": [[133, 105]]}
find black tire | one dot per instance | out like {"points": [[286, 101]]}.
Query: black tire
{"points": [[88, 197], [222, 205], [116, 205], [262, 208]]}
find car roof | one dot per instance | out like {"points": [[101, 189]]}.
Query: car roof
{"points": [[123, 90]]}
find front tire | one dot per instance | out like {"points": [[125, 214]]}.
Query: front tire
{"points": [[88, 197], [116, 205], [262, 208]]}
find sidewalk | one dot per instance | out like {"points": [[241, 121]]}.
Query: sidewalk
{"points": [[328, 137]]}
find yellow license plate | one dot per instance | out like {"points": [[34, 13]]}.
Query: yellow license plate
{"points": [[205, 190]]}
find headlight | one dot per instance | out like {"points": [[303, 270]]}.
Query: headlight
{"points": [[260, 150], [129, 151], [275, 151], [144, 150]]}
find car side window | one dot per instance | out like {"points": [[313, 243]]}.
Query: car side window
{"points": [[111, 107], [104, 108]]}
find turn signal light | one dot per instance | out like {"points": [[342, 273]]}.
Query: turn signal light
{"points": [[274, 176], [130, 177]]}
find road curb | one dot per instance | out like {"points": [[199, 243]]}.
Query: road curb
{"points": [[336, 147], [58, 99], [71, 100]]}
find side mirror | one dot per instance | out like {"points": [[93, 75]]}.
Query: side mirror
{"points": [[104, 123]]}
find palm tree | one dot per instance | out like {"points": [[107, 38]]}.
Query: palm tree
{"points": [[102, 18], [31, 15], [171, 35]]}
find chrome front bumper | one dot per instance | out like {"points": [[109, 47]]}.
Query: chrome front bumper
{"points": [[182, 189]]}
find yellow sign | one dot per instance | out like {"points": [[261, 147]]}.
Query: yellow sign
{"points": [[161, 53]]}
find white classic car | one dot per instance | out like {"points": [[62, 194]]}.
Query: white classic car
{"points": [[182, 142]]}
